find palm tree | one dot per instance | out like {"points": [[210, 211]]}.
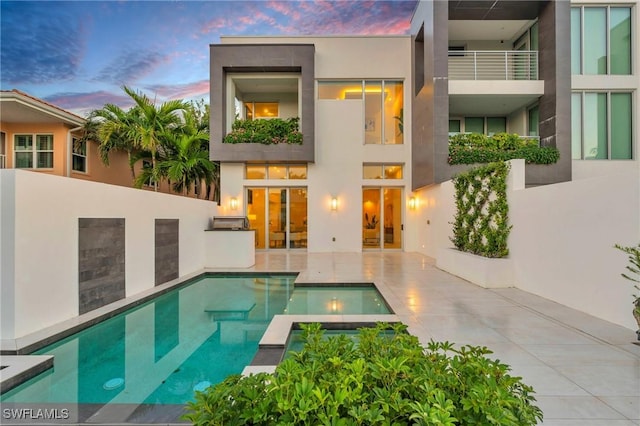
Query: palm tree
{"points": [[112, 127], [187, 164], [150, 122]]}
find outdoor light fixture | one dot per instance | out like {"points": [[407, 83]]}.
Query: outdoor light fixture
{"points": [[234, 203], [334, 203], [413, 203]]}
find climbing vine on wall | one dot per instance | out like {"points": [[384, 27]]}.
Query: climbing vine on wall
{"points": [[481, 225]]}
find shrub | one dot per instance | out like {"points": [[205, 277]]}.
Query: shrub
{"points": [[471, 148], [384, 379], [266, 132]]}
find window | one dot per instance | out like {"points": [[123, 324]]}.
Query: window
{"points": [[382, 171], [533, 121], [28, 156], [279, 171], [383, 106], [482, 125], [79, 156], [601, 125], [601, 40], [261, 110], [383, 112], [454, 126], [340, 90]]}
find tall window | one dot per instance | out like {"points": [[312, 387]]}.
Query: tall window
{"points": [[79, 156], [383, 106], [601, 125], [533, 121], [601, 40], [33, 156]]}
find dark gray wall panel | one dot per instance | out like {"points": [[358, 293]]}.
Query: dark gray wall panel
{"points": [[167, 248], [430, 109], [101, 262], [258, 58]]}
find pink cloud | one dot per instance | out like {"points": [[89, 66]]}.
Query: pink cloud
{"points": [[197, 89]]}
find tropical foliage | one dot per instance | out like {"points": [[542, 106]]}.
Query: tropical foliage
{"points": [[265, 131], [471, 148], [382, 379], [170, 140], [481, 224]]}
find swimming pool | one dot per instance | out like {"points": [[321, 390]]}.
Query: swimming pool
{"points": [[160, 352]]}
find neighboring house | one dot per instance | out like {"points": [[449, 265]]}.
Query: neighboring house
{"points": [[42, 137]]}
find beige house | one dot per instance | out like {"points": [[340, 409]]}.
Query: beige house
{"points": [[42, 137]]}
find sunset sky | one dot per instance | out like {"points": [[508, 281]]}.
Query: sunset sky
{"points": [[79, 54]]}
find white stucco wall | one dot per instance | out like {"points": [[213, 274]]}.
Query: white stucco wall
{"points": [[562, 239], [39, 275]]}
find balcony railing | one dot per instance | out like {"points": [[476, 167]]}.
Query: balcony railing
{"points": [[493, 65], [3, 161]]}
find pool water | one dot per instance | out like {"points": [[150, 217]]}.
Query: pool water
{"points": [[184, 340]]}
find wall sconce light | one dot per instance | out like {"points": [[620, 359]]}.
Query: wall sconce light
{"points": [[413, 203], [334, 203], [234, 203]]}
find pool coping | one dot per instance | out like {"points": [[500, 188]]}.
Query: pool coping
{"points": [[275, 340], [17, 369]]}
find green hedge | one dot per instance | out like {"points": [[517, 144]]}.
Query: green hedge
{"points": [[265, 131], [471, 148], [384, 379], [481, 224]]}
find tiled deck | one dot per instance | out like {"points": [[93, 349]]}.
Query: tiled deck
{"points": [[585, 371]]}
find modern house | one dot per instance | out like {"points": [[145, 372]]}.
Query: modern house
{"points": [[373, 115], [376, 114]]}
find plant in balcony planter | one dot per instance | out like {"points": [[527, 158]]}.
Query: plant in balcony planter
{"points": [[634, 276], [265, 131]]}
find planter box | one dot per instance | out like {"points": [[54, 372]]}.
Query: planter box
{"points": [[483, 271]]}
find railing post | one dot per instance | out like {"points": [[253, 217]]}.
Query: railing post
{"points": [[506, 65], [475, 65]]}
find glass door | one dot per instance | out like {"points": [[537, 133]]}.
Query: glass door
{"points": [[278, 216], [382, 218]]}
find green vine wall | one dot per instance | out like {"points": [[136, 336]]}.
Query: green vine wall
{"points": [[481, 225]]}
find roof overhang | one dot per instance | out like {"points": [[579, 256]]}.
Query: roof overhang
{"points": [[16, 107]]}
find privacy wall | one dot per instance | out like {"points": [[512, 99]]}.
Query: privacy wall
{"points": [[40, 242], [561, 244]]}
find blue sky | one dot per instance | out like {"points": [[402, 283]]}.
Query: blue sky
{"points": [[79, 54]]}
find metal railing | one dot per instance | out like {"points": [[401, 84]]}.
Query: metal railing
{"points": [[3, 161], [493, 65]]}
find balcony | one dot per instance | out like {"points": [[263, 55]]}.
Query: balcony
{"points": [[493, 65]]}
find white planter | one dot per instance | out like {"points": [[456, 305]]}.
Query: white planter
{"points": [[483, 271]]}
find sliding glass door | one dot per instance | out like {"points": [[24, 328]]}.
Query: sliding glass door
{"points": [[382, 218], [278, 216]]}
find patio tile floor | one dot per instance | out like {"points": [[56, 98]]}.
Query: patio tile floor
{"points": [[585, 371]]}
